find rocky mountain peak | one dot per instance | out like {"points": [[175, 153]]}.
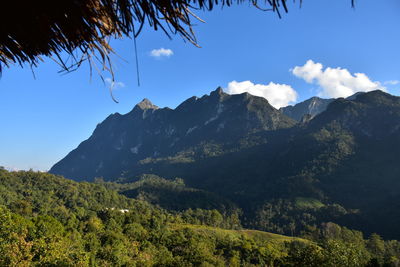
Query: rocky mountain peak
{"points": [[146, 104], [218, 92], [312, 106]]}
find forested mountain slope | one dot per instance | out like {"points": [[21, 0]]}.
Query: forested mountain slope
{"points": [[341, 166]]}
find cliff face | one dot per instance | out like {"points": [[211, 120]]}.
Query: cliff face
{"points": [[121, 141]]}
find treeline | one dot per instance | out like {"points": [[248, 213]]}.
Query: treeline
{"points": [[47, 220]]}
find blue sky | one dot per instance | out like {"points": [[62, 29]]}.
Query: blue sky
{"points": [[44, 118]]}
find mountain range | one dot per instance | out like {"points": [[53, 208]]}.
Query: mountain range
{"points": [[320, 160], [149, 132]]}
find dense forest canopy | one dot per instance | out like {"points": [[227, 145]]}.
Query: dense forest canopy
{"points": [[46, 220]]}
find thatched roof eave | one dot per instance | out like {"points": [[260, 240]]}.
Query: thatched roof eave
{"points": [[31, 30]]}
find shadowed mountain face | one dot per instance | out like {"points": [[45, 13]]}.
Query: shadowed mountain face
{"points": [[308, 109], [311, 107], [239, 147], [121, 141]]}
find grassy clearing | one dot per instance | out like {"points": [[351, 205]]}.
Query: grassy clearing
{"points": [[259, 236], [308, 203]]}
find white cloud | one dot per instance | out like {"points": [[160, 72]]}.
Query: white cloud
{"points": [[335, 82], [114, 84], [278, 95], [392, 82], [161, 52]]}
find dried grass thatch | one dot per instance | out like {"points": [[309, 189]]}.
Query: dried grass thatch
{"points": [[31, 29]]}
